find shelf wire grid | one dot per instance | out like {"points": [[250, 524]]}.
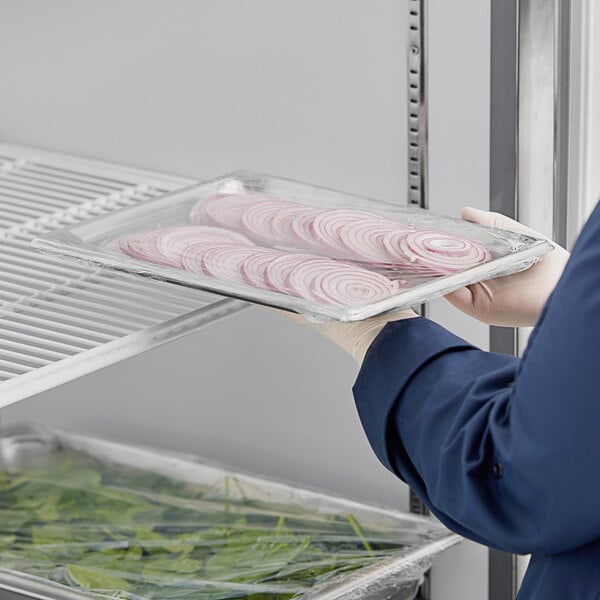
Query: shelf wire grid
{"points": [[62, 319]]}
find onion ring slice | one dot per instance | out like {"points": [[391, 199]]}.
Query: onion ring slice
{"points": [[363, 238], [172, 242], [326, 227], [253, 268], [227, 210], [435, 252], [339, 283], [271, 221], [277, 271], [144, 245], [198, 215], [221, 262], [301, 229]]}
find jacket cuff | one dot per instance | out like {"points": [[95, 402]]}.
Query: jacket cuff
{"points": [[395, 356]]}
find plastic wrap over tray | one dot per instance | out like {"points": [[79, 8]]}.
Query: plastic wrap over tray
{"points": [[295, 246], [81, 518]]}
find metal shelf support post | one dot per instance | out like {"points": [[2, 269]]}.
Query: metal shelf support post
{"points": [[530, 42]]}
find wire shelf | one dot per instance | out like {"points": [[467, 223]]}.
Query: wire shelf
{"points": [[60, 320]]}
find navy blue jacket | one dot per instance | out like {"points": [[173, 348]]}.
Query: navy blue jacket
{"points": [[504, 451]]}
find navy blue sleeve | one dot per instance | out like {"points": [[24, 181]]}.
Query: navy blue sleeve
{"points": [[502, 450]]}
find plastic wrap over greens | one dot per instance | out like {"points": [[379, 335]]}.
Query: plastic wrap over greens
{"points": [[116, 531], [295, 246]]}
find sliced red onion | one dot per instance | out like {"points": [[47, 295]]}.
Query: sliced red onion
{"points": [[277, 271], [227, 211], [191, 259], [222, 262], [198, 215], [144, 245], [172, 242], [434, 252], [334, 282], [363, 238], [270, 221], [326, 228], [301, 228], [165, 246], [253, 268], [285, 224]]}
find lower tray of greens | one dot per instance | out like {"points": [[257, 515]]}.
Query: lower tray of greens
{"points": [[112, 521]]}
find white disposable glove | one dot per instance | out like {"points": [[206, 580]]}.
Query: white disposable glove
{"points": [[354, 338], [514, 300]]}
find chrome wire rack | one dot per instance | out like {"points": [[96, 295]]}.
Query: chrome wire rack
{"points": [[60, 320]]}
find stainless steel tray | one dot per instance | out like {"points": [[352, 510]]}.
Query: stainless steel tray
{"points": [[397, 577], [375, 283]]}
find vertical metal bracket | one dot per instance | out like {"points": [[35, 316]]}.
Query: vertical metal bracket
{"points": [[418, 113], [417, 103], [417, 507], [417, 161], [562, 88], [504, 185], [502, 584]]}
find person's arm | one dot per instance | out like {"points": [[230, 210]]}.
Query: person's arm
{"points": [[503, 451]]}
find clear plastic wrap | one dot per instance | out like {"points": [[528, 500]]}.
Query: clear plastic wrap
{"points": [[295, 246], [83, 518]]}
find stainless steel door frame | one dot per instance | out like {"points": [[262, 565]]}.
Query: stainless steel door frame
{"points": [[529, 154], [529, 131], [417, 188]]}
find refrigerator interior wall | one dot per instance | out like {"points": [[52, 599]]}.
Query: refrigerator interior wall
{"points": [[311, 90]]}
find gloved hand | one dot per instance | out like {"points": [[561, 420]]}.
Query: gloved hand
{"points": [[354, 338], [514, 300]]}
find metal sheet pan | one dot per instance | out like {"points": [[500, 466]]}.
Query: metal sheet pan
{"points": [[371, 286], [397, 576]]}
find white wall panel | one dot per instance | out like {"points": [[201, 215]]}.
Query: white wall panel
{"points": [[307, 89]]}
